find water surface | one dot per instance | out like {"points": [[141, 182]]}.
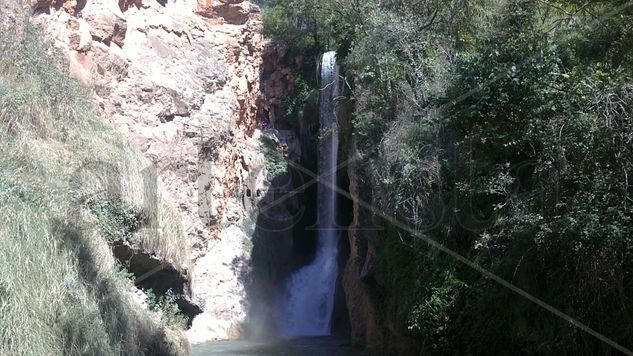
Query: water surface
{"points": [[313, 346]]}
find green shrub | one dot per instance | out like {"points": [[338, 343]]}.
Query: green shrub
{"points": [[117, 219], [275, 163], [166, 308]]}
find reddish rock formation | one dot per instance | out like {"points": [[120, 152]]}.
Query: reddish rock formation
{"points": [[277, 82], [235, 12]]}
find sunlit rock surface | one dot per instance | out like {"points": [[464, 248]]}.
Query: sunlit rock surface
{"points": [[181, 80], [226, 265]]}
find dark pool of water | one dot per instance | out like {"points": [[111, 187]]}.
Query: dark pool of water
{"points": [[313, 346]]}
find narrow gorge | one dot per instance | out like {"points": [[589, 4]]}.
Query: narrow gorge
{"points": [[306, 307]]}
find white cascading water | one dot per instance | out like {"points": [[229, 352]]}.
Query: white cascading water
{"points": [[307, 309]]}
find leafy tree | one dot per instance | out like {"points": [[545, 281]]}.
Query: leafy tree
{"points": [[503, 130]]}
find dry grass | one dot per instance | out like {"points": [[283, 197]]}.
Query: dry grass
{"points": [[60, 289]]}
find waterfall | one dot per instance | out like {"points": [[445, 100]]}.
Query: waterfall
{"points": [[307, 307]]}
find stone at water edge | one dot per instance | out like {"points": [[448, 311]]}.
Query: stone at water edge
{"points": [[217, 280]]}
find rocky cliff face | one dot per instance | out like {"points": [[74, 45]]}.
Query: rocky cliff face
{"points": [[181, 79]]}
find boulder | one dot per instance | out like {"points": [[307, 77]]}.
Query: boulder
{"points": [[40, 4], [231, 11], [80, 37], [106, 21], [218, 275], [126, 4]]}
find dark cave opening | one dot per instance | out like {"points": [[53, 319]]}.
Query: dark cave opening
{"points": [[161, 277]]}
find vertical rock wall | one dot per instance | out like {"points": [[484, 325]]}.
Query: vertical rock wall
{"points": [[180, 78]]}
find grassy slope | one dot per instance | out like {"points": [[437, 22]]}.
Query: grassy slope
{"points": [[60, 289]]}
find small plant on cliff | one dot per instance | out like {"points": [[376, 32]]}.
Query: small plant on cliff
{"points": [[275, 164], [117, 218], [304, 98], [166, 308]]}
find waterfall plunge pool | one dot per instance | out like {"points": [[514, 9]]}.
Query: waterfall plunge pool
{"points": [[308, 346]]}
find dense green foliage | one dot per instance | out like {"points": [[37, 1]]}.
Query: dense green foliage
{"points": [[276, 165], [503, 130]]}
